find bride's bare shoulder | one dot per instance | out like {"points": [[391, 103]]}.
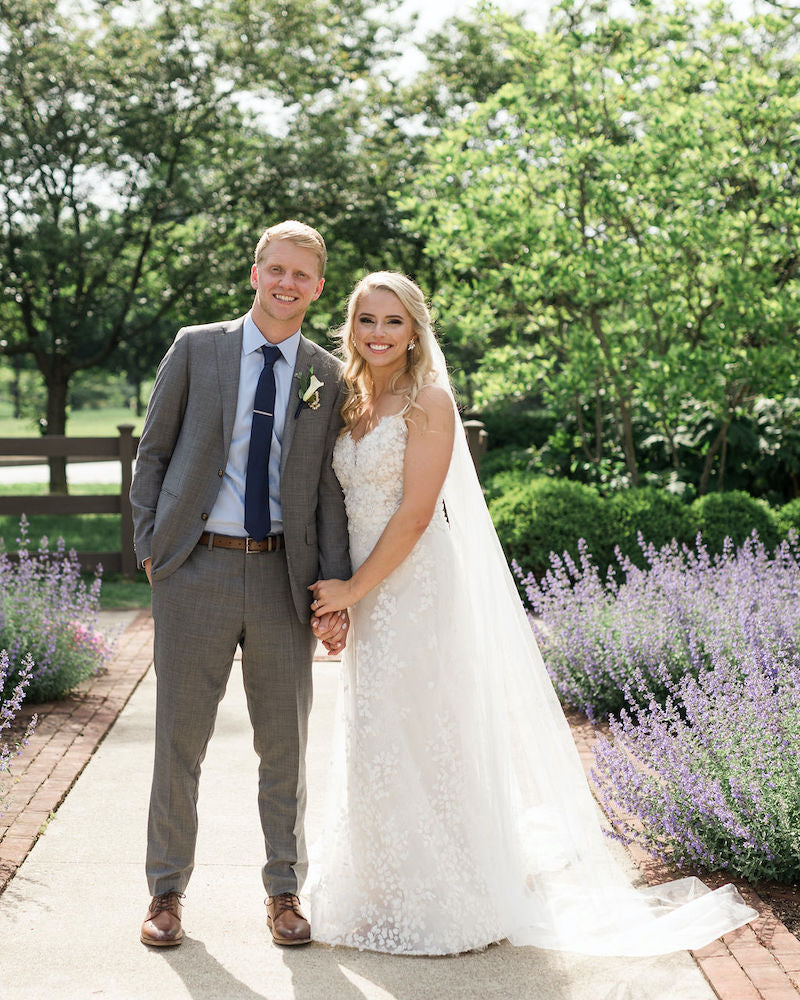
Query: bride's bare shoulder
{"points": [[434, 399], [437, 405]]}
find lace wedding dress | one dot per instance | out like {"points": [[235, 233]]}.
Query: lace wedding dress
{"points": [[458, 813]]}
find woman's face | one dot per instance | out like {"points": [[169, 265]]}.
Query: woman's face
{"points": [[382, 331]]}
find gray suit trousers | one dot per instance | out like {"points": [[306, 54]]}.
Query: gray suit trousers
{"points": [[218, 599]]}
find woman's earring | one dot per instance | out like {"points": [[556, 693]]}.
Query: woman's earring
{"points": [[411, 346]]}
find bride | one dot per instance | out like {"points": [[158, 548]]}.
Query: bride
{"points": [[459, 811]]}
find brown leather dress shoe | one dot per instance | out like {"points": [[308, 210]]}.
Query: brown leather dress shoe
{"points": [[285, 921], [162, 925]]}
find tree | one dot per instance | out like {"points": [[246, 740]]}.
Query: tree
{"points": [[617, 226], [135, 165]]}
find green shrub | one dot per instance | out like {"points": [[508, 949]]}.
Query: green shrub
{"points": [[735, 515], [788, 517], [509, 459], [658, 515], [517, 423], [537, 515]]}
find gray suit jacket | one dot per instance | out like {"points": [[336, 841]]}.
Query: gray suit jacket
{"points": [[183, 452]]}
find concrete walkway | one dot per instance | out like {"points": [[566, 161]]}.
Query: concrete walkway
{"points": [[69, 918]]}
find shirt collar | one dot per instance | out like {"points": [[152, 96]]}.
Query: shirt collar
{"points": [[253, 340]]}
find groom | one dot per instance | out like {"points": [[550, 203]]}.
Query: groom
{"points": [[236, 511]]}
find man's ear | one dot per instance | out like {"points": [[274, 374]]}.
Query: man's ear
{"points": [[318, 292]]}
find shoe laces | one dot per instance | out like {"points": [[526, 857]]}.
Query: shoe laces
{"points": [[167, 902], [286, 901]]}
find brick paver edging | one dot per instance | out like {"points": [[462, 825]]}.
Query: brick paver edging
{"points": [[66, 736], [757, 962]]}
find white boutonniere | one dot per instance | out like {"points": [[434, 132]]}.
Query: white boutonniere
{"points": [[309, 393]]}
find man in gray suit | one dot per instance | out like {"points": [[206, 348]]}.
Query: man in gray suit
{"points": [[201, 475]]}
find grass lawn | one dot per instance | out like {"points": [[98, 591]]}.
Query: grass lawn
{"points": [[82, 532], [117, 593], [81, 423]]}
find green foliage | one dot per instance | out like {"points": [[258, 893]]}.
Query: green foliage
{"points": [[96, 389], [775, 465], [518, 422], [141, 156], [733, 515], [657, 515], [614, 232], [80, 423], [536, 516], [121, 594], [22, 395], [787, 518], [497, 461], [82, 532]]}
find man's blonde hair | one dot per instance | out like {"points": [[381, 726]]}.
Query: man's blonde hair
{"points": [[298, 233]]}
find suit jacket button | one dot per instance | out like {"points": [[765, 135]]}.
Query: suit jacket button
{"points": [[220, 472], [204, 517]]}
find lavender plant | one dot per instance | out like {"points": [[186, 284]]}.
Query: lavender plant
{"points": [[711, 779], [626, 639], [48, 612], [700, 658], [9, 706]]}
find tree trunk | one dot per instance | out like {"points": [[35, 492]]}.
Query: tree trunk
{"points": [[723, 455], [16, 389], [623, 397], [716, 444], [137, 388], [57, 393], [628, 445]]}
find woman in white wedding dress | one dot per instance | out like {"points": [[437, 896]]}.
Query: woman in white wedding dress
{"points": [[459, 812]]}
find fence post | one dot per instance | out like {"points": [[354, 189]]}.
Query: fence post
{"points": [[126, 456], [477, 439]]}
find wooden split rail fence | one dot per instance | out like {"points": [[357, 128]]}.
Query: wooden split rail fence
{"points": [[120, 449]]}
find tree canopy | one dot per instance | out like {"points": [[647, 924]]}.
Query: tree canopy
{"points": [[616, 229], [140, 159], [605, 213]]}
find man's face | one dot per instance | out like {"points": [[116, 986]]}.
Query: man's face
{"points": [[286, 281]]}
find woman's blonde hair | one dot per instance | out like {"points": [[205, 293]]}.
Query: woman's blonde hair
{"points": [[419, 370]]}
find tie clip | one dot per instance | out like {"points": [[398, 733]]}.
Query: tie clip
{"points": [[263, 413]]}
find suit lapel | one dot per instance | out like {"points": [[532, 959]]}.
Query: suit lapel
{"points": [[229, 354], [305, 355]]}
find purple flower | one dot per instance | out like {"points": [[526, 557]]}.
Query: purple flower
{"points": [[9, 706], [696, 662], [48, 612]]}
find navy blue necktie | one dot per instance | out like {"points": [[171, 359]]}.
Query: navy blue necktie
{"points": [[256, 490]]}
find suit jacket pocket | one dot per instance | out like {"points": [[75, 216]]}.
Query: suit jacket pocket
{"points": [[163, 524]]}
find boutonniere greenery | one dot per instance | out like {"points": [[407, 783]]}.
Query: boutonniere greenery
{"points": [[309, 393]]}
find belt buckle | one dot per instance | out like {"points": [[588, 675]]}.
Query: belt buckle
{"points": [[247, 549]]}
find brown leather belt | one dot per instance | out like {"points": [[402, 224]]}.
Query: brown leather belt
{"points": [[272, 543]]}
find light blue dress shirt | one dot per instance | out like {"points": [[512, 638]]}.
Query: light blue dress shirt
{"points": [[227, 514]]}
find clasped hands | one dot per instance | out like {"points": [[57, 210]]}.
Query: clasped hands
{"points": [[330, 619]]}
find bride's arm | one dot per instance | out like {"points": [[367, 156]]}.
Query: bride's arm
{"points": [[430, 444]]}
